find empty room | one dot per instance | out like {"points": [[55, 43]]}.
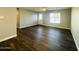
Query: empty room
{"points": [[39, 29]]}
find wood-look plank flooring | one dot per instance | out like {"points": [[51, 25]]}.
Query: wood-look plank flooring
{"points": [[40, 38]]}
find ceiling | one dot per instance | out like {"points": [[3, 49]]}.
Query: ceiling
{"points": [[39, 9]]}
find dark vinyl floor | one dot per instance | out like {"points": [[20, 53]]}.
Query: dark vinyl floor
{"points": [[40, 38]]}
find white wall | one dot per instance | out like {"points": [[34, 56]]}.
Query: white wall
{"points": [[27, 18], [18, 17], [7, 23], [75, 25], [65, 19]]}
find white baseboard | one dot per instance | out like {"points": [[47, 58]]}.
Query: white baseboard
{"points": [[7, 38], [26, 26], [56, 27], [63, 28], [75, 41]]}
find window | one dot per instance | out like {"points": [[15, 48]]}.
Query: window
{"points": [[40, 16], [40, 21], [55, 18]]}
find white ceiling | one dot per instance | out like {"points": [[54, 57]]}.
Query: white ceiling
{"points": [[39, 9]]}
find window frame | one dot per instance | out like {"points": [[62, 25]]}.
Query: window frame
{"points": [[53, 18]]}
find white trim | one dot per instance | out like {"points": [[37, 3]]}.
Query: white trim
{"points": [[75, 40], [26, 26], [56, 27], [7, 38], [64, 28]]}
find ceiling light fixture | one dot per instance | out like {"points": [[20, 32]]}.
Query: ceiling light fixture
{"points": [[44, 9]]}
